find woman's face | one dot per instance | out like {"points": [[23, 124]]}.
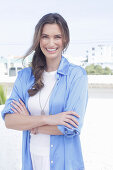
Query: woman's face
{"points": [[51, 41]]}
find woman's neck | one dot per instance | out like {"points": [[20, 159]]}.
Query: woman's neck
{"points": [[52, 65]]}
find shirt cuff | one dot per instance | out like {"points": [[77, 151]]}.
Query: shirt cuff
{"points": [[67, 131], [6, 111]]}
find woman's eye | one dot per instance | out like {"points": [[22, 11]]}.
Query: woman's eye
{"points": [[58, 37], [44, 36]]}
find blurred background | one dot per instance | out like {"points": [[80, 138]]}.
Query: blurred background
{"points": [[91, 46]]}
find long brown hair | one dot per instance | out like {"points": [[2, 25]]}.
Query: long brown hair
{"points": [[38, 63]]}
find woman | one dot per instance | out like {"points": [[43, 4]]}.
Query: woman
{"points": [[48, 101]]}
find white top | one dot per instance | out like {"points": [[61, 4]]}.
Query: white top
{"points": [[40, 143]]}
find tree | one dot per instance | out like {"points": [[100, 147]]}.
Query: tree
{"points": [[2, 96], [98, 70]]}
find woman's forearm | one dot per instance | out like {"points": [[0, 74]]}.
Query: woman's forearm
{"points": [[27, 122], [23, 122], [49, 130]]}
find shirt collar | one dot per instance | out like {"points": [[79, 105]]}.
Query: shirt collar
{"points": [[63, 66]]}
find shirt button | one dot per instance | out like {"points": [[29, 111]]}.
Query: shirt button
{"points": [[51, 162], [51, 146]]}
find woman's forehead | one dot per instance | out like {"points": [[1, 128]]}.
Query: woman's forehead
{"points": [[51, 29]]}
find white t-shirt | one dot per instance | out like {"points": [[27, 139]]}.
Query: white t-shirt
{"points": [[40, 143]]}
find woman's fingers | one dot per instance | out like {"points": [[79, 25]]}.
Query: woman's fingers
{"points": [[72, 123], [70, 119], [20, 107], [21, 102], [24, 107], [34, 131], [72, 113], [64, 118], [67, 125], [16, 107], [15, 111], [73, 119]]}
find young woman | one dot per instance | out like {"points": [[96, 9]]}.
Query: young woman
{"points": [[48, 101]]}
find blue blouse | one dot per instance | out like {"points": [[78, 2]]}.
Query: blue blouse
{"points": [[69, 94]]}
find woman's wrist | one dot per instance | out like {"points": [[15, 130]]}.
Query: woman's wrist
{"points": [[46, 119]]}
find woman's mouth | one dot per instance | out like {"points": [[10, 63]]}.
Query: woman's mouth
{"points": [[51, 50]]}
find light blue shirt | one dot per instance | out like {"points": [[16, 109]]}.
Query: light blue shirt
{"points": [[69, 94]]}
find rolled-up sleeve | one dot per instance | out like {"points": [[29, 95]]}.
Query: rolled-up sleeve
{"points": [[15, 95], [76, 101]]}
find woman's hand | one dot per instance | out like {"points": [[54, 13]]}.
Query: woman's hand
{"points": [[19, 108], [34, 131], [63, 118]]}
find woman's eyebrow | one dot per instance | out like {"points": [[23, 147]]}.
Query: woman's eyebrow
{"points": [[44, 34], [55, 34], [58, 35]]}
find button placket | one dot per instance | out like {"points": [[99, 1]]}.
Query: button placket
{"points": [[51, 146], [51, 161]]}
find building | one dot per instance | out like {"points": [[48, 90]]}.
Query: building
{"points": [[10, 65], [101, 54]]}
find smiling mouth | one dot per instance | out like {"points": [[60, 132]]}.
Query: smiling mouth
{"points": [[51, 50]]}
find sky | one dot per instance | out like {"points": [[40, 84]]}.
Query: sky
{"points": [[90, 22]]}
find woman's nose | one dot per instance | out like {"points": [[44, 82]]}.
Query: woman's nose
{"points": [[51, 42]]}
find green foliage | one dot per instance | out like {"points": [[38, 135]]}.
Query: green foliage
{"points": [[98, 70], [2, 96], [107, 71]]}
